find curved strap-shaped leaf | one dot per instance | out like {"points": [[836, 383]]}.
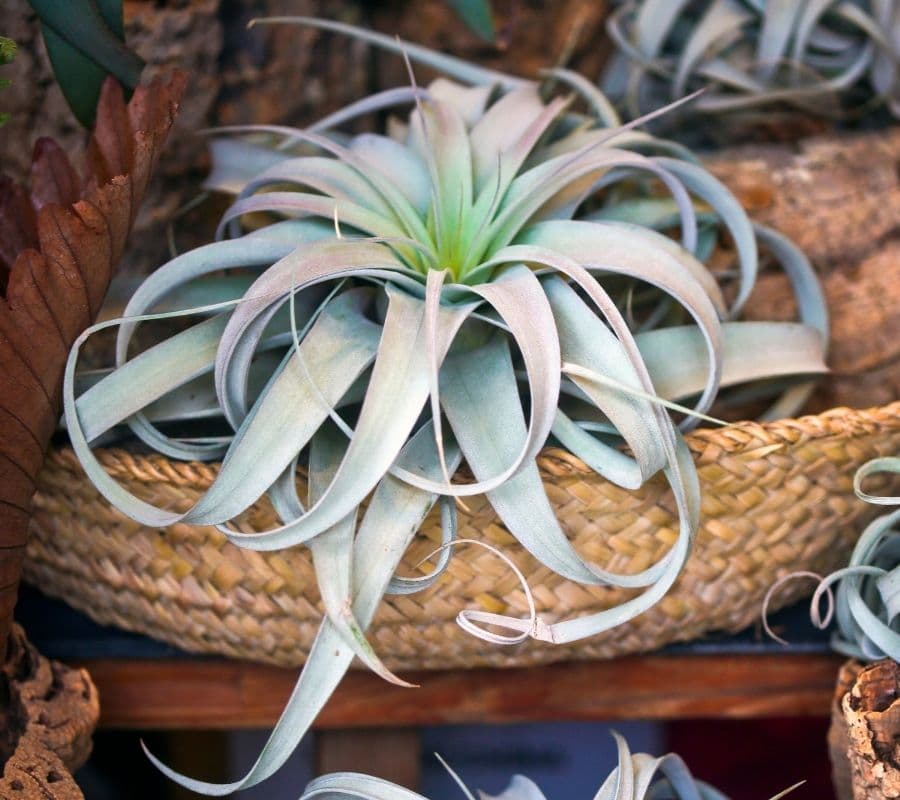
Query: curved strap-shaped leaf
{"points": [[400, 166], [615, 250], [304, 266], [440, 136], [587, 341], [599, 104], [456, 68], [404, 585], [558, 186], [709, 189], [519, 300], [327, 176], [193, 264], [338, 348], [811, 306], [677, 359], [395, 198], [396, 395], [235, 162], [332, 553], [392, 518]]}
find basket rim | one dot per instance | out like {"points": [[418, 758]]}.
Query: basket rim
{"points": [[738, 438]]}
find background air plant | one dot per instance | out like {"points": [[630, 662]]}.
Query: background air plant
{"points": [[755, 53], [638, 776], [867, 600], [483, 279]]}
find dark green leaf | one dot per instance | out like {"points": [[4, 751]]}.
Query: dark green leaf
{"points": [[84, 43], [477, 16]]}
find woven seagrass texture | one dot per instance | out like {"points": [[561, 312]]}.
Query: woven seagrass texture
{"points": [[777, 497]]}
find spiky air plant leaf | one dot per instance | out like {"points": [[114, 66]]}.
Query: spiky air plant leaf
{"points": [[866, 604], [755, 53], [483, 279], [638, 776]]}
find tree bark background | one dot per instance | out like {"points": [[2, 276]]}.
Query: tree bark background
{"points": [[48, 717], [865, 731], [284, 74]]}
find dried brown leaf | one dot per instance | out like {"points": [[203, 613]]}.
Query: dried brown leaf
{"points": [[59, 244], [53, 178]]}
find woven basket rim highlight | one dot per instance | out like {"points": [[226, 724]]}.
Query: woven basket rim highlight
{"points": [[743, 437], [778, 497]]}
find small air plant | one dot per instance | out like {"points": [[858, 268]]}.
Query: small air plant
{"points": [[638, 776], [755, 53], [480, 281], [866, 603]]}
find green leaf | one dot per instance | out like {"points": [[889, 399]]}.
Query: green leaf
{"points": [[84, 41], [7, 54], [477, 16]]}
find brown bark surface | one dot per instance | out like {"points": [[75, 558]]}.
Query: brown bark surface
{"points": [[49, 713], [838, 198], [838, 736], [865, 731]]}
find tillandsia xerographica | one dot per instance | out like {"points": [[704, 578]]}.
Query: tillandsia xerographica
{"points": [[401, 302], [866, 604], [756, 53], [638, 776]]}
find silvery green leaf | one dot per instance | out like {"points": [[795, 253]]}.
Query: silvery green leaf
{"points": [[392, 518], [455, 68]]}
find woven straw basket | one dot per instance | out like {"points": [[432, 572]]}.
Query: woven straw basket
{"points": [[777, 497]]}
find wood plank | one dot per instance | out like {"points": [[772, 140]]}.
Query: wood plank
{"points": [[394, 754], [216, 694]]}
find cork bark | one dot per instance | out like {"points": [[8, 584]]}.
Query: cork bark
{"points": [[838, 198], [48, 713], [864, 738]]}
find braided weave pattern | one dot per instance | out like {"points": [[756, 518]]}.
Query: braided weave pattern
{"points": [[777, 497]]}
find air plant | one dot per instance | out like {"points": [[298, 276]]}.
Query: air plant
{"points": [[755, 53], [638, 776], [866, 603], [481, 280]]}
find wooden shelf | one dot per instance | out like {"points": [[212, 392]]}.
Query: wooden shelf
{"points": [[146, 684], [220, 694]]}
